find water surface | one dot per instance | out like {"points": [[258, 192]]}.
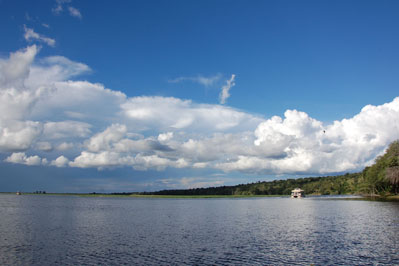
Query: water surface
{"points": [[69, 230]]}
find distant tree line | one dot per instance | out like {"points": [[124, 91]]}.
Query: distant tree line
{"points": [[328, 185], [381, 178]]}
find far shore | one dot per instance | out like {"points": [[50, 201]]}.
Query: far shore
{"points": [[126, 195], [121, 195]]}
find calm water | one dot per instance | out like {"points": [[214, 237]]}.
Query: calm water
{"points": [[50, 230]]}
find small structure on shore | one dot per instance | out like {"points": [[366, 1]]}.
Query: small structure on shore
{"points": [[297, 193]]}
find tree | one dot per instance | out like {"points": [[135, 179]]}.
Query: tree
{"points": [[393, 149], [392, 173], [393, 176]]}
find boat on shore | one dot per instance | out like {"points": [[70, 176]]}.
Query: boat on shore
{"points": [[297, 193]]}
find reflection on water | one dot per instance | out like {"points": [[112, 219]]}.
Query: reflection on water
{"points": [[48, 230]]}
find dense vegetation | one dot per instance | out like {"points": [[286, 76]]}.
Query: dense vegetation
{"points": [[382, 178]]}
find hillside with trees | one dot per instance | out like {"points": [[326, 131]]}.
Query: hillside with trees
{"points": [[381, 178]]}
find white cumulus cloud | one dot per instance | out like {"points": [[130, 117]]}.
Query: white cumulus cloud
{"points": [[18, 135], [44, 108], [61, 161], [15, 69], [104, 140], [21, 158], [312, 147]]}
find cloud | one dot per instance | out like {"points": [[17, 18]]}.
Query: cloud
{"points": [[44, 146], [18, 135], [205, 81], [60, 68], [225, 93], [31, 35], [61, 161], [16, 104], [21, 158], [65, 146], [143, 162], [15, 69], [199, 182], [43, 107], [188, 182], [313, 147], [74, 12], [59, 8], [79, 100], [33, 94], [165, 136], [295, 144], [22, 85], [104, 140], [168, 113], [16, 132], [113, 148], [28, 17], [100, 160], [66, 129]]}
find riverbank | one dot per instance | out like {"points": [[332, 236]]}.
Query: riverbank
{"points": [[383, 197], [146, 196], [121, 195]]}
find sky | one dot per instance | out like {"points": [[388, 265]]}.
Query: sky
{"points": [[119, 96]]}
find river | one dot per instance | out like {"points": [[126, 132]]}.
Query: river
{"points": [[72, 230]]}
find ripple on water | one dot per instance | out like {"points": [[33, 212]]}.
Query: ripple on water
{"points": [[45, 230]]}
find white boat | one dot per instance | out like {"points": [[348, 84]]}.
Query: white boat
{"points": [[297, 193]]}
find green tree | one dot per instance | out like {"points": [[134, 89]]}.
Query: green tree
{"points": [[392, 172], [382, 177]]}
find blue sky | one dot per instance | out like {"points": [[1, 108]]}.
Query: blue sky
{"points": [[127, 95]]}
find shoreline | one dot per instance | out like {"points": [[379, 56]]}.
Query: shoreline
{"points": [[106, 195]]}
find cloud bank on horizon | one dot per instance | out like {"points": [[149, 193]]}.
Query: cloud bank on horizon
{"points": [[49, 118]]}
